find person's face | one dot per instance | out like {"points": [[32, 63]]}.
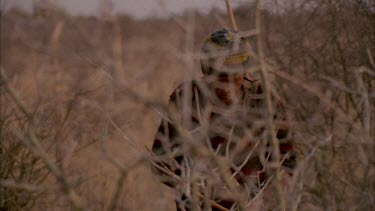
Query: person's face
{"points": [[236, 79]]}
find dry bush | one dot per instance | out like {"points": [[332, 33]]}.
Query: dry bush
{"points": [[325, 54], [87, 89]]}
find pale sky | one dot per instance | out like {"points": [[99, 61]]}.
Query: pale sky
{"points": [[150, 8], [135, 8]]}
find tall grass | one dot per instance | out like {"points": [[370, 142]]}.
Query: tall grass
{"points": [[81, 97]]}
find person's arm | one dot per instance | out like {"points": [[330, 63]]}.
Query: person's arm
{"points": [[168, 139]]}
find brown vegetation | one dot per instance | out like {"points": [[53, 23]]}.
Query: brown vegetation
{"points": [[80, 100]]}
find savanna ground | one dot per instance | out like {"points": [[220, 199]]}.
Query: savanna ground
{"points": [[80, 99]]}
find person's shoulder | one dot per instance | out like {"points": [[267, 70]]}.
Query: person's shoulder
{"points": [[198, 90]]}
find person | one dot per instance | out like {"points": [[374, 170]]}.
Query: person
{"points": [[219, 117]]}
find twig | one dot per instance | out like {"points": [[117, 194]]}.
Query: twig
{"points": [[213, 203], [313, 90], [366, 103], [246, 159], [275, 165], [18, 185], [260, 192], [13, 95], [371, 58], [231, 16], [170, 173], [126, 137], [33, 144], [120, 183], [164, 168]]}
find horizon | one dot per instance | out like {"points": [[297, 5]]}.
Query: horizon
{"points": [[140, 9]]}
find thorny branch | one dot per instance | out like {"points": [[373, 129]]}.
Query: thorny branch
{"points": [[33, 144]]}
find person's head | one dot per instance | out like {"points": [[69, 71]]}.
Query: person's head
{"points": [[225, 55]]}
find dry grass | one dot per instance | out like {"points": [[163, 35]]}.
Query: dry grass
{"points": [[91, 88]]}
